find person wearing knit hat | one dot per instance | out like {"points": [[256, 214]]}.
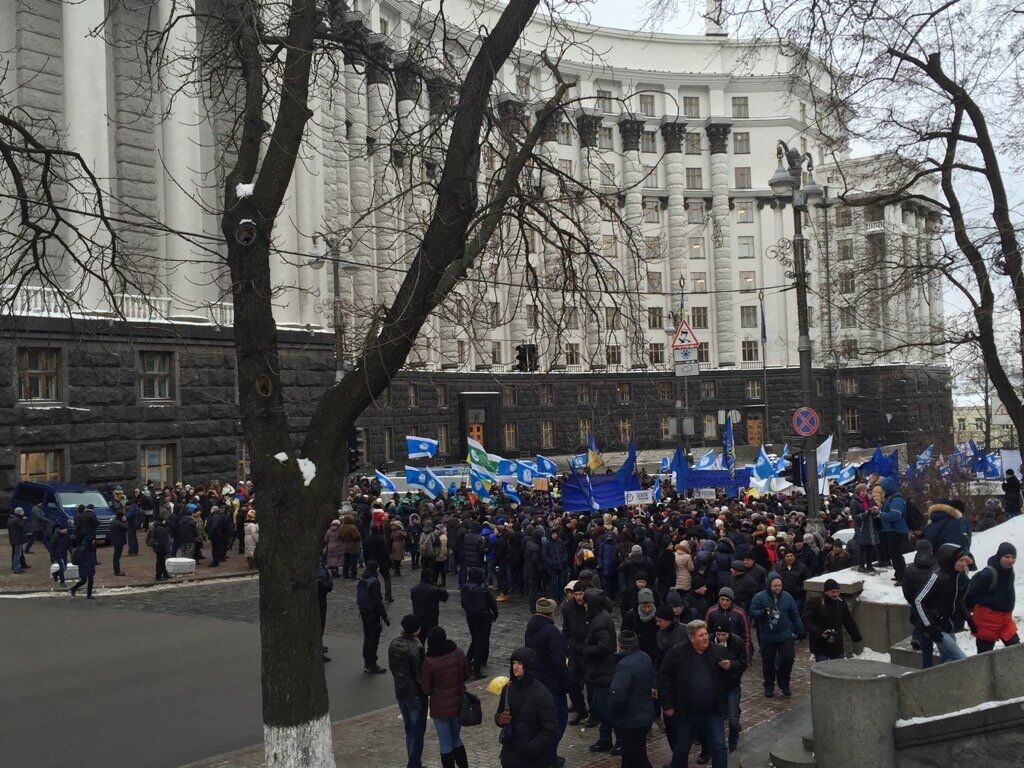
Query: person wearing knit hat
{"points": [[991, 600], [825, 618], [737, 652], [549, 666], [630, 707], [727, 610]]}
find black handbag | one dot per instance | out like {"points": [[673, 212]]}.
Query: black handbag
{"points": [[470, 711]]}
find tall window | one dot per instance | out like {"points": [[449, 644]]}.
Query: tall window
{"points": [[39, 374], [606, 138], [666, 390], [740, 106], [572, 318], [532, 316], [710, 426], [743, 178], [625, 430], [652, 211], [655, 318], [523, 86], [442, 439], [650, 176], [699, 282], [656, 353], [844, 217], [414, 396], [547, 433], [622, 392], [582, 394], [510, 434], [874, 213], [654, 284], [697, 250], [703, 352], [462, 350], [652, 248], [647, 104], [389, 444], [755, 390], [847, 317], [847, 284], [845, 250], [749, 351], [851, 420], [604, 100], [564, 133], [695, 213], [612, 318], [748, 317], [494, 314], [691, 106], [244, 463], [586, 428], [508, 396], [609, 246], [648, 141], [699, 317], [496, 353], [442, 395], [42, 466], [159, 464], [156, 375], [748, 283], [708, 391], [691, 144], [745, 247], [565, 166], [665, 427], [572, 354], [848, 385], [741, 143], [694, 178], [607, 174], [848, 347], [613, 354]]}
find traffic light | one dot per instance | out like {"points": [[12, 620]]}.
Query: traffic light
{"points": [[526, 358], [794, 472], [355, 449]]}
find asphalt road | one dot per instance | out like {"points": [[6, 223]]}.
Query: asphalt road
{"points": [[147, 679]]}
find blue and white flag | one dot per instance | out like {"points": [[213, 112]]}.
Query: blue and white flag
{"points": [[728, 448], [993, 466], [479, 485], [424, 479], [763, 468], [657, 489], [578, 462], [525, 474], [847, 474], [546, 467], [706, 461], [822, 454], [385, 482], [510, 493], [420, 447], [926, 457], [666, 462], [833, 470]]}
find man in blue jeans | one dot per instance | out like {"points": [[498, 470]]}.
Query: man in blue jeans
{"points": [[692, 688], [405, 659]]}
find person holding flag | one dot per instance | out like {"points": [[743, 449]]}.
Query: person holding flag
{"points": [[728, 448]]}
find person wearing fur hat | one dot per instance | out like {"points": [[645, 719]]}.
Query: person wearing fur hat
{"points": [[824, 619], [947, 524], [991, 600]]}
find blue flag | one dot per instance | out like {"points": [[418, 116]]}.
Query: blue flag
{"points": [[680, 468], [424, 479], [728, 448], [763, 468], [847, 475], [510, 493], [666, 463], [420, 447], [525, 474], [926, 457], [993, 466], [577, 462], [978, 457], [546, 467], [478, 485], [706, 461], [385, 482], [628, 468], [657, 489]]}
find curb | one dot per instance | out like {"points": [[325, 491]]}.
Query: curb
{"points": [[140, 585]]}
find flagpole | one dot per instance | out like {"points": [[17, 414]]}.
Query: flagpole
{"points": [[764, 367]]}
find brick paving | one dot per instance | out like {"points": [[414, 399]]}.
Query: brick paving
{"points": [[139, 570]]}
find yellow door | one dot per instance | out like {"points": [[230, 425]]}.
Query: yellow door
{"points": [[755, 428], [476, 431]]}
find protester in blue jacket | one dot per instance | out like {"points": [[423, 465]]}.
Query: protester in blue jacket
{"points": [[947, 524], [630, 707], [894, 526], [778, 624]]}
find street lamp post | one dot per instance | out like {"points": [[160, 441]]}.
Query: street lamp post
{"points": [[321, 255], [787, 184]]}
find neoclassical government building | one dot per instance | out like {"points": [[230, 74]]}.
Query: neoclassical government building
{"points": [[676, 134]]}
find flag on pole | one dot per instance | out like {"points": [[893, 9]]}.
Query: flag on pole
{"points": [[706, 461], [424, 479], [420, 447], [666, 462], [479, 485], [657, 489], [546, 467], [763, 468], [823, 452], [510, 493], [506, 468], [628, 467], [680, 469], [993, 466], [385, 482], [728, 448], [478, 457], [594, 460], [525, 474], [926, 457], [847, 474]]}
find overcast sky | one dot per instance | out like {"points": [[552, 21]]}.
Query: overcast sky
{"points": [[631, 14]]}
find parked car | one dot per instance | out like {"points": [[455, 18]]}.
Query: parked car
{"points": [[59, 502]]}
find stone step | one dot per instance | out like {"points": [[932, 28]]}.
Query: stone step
{"points": [[808, 741], [757, 760], [903, 653], [791, 753]]}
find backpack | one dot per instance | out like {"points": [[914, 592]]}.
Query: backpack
{"points": [[427, 548], [915, 520], [363, 600]]}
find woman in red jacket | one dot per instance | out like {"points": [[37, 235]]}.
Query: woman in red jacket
{"points": [[444, 675]]}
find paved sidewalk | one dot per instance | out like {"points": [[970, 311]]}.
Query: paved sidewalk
{"points": [[139, 570]]}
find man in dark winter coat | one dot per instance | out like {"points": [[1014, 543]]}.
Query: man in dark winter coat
{"points": [[599, 661], [474, 550], [17, 536], [635, 562], [556, 560], [739, 624], [574, 632], [691, 689], [405, 659], [215, 531], [778, 624], [630, 707], [532, 561], [824, 620], [118, 538], [794, 573], [188, 533], [1011, 494], [947, 525], [376, 547], [372, 612], [526, 715], [481, 612], [161, 538], [735, 651], [630, 595], [544, 639], [746, 581], [86, 523], [915, 577], [426, 601], [940, 604], [641, 621], [991, 599]]}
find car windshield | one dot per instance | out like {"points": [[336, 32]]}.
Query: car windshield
{"points": [[71, 499]]}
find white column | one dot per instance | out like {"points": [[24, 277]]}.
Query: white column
{"points": [[88, 125], [380, 127], [725, 319], [675, 249], [364, 279]]}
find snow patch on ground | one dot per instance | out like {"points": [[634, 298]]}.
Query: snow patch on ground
{"points": [[978, 708], [308, 469], [869, 655], [297, 746], [282, 457], [244, 190]]}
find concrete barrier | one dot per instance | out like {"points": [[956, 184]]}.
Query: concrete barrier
{"points": [[70, 571], [180, 566], [881, 624]]}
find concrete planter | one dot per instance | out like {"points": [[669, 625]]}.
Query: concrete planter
{"points": [[180, 566], [70, 571]]}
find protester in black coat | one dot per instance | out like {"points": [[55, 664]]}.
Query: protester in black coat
{"points": [[474, 547], [481, 612], [824, 620], [940, 604], [118, 538], [641, 621], [599, 661], [544, 639], [526, 715], [161, 538], [426, 601]]}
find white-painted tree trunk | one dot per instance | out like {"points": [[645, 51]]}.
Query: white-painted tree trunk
{"points": [[299, 746]]}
